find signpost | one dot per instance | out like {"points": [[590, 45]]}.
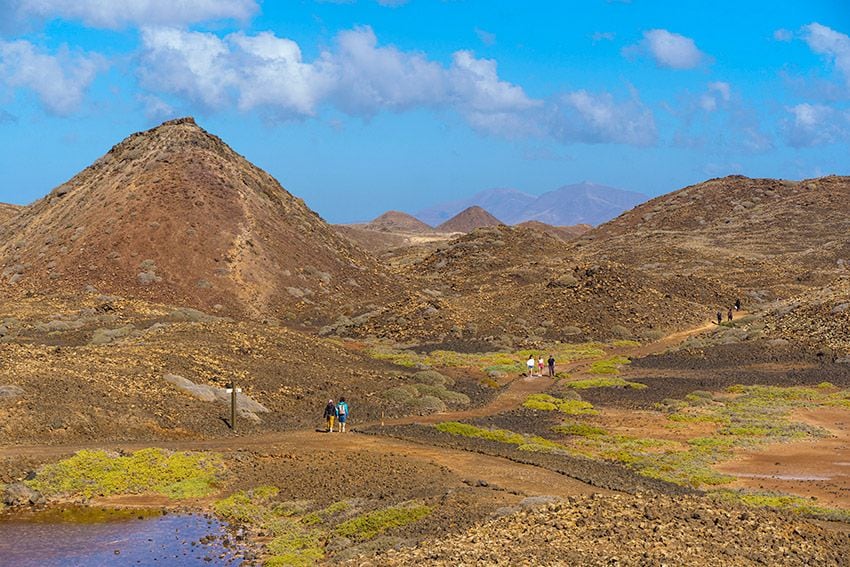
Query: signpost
{"points": [[233, 390]]}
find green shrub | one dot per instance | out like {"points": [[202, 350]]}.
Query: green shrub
{"points": [[433, 378], [580, 430], [605, 382], [97, 473], [375, 523], [609, 365]]}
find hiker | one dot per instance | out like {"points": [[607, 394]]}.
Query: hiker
{"points": [[738, 304], [551, 366], [720, 317], [540, 364], [729, 314], [330, 415], [342, 414], [530, 364]]}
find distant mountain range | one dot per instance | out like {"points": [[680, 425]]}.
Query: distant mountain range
{"points": [[581, 203]]}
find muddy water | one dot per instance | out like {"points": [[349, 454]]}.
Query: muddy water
{"points": [[93, 537]]}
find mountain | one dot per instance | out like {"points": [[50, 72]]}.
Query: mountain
{"points": [[397, 221], [582, 203], [174, 215], [565, 233], [502, 203], [772, 237], [469, 219]]}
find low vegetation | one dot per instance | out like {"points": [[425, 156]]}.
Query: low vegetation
{"points": [[604, 382], [502, 362], [779, 501], [299, 535], [546, 402], [99, 473], [610, 365]]}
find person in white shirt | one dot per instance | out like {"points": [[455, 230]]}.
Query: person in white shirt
{"points": [[530, 364]]}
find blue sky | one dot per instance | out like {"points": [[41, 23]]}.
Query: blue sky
{"points": [[367, 105]]}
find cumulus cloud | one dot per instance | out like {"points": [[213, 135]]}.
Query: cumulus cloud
{"points": [[59, 80], [815, 125], [668, 49], [581, 116], [357, 75], [361, 77], [835, 45], [109, 14]]}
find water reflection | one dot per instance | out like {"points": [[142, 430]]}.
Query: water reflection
{"points": [[87, 537]]}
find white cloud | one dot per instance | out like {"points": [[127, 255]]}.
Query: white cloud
{"points": [[59, 80], [815, 125], [783, 35], [581, 116], [112, 14], [668, 49], [603, 36], [360, 77], [718, 94], [833, 44], [357, 75], [392, 3]]}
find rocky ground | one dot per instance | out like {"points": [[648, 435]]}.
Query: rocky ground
{"points": [[634, 530]]}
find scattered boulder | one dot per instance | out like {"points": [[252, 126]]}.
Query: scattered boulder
{"points": [[19, 494], [10, 392]]}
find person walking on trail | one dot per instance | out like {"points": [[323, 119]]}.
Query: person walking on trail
{"points": [[729, 315], [720, 317], [551, 366], [540, 364], [342, 414], [530, 364], [738, 304], [330, 415]]}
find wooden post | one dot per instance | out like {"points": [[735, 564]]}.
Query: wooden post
{"points": [[233, 408]]}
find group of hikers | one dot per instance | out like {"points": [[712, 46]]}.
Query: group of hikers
{"points": [[530, 364], [336, 412], [729, 314]]}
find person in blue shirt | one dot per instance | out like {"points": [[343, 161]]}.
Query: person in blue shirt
{"points": [[342, 414]]}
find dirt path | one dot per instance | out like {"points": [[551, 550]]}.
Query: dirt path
{"points": [[521, 478]]}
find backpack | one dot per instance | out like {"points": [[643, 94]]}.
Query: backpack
{"points": [[342, 408]]}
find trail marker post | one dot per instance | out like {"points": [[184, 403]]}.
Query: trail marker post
{"points": [[233, 390]]}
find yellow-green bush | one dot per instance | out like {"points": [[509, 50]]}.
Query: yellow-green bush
{"points": [[375, 523], [98, 473]]}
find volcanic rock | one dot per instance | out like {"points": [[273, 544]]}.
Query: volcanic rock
{"points": [[468, 220]]}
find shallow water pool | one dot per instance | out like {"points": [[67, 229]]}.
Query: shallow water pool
{"points": [[90, 537]]}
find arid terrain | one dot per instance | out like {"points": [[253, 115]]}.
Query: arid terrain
{"points": [[172, 269]]}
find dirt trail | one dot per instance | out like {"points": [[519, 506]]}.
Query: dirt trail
{"points": [[521, 478]]}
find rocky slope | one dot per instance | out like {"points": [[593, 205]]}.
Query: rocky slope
{"points": [[625, 530], [565, 233], [8, 211], [819, 318], [174, 215], [469, 219], [512, 285], [770, 236]]}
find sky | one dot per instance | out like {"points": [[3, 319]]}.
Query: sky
{"points": [[362, 106]]}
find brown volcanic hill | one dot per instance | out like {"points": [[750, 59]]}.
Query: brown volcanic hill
{"points": [[769, 236], [175, 216], [515, 285], [8, 211], [397, 221], [565, 233], [469, 219]]}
